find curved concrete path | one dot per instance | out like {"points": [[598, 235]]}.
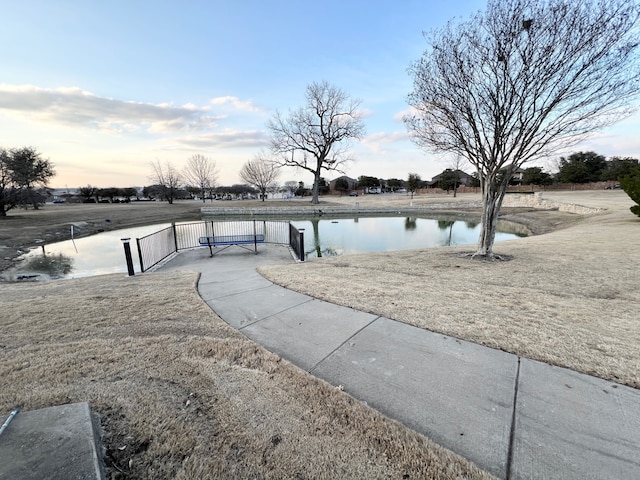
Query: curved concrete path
{"points": [[514, 417]]}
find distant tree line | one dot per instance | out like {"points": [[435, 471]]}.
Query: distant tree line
{"points": [[90, 194], [586, 167]]}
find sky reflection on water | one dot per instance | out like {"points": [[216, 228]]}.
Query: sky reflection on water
{"points": [[104, 253], [368, 234]]}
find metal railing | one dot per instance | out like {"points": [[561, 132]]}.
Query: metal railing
{"points": [[296, 241], [155, 247]]}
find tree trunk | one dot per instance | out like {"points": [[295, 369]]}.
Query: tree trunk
{"points": [[492, 196], [316, 184]]}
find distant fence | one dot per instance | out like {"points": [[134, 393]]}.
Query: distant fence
{"points": [[157, 246]]}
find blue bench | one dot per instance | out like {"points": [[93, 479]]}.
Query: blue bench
{"points": [[227, 241]]}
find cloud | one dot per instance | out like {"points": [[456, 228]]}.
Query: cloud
{"points": [[235, 102], [399, 117], [366, 113], [380, 142], [74, 107], [228, 138]]}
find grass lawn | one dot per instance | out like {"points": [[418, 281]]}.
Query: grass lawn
{"points": [[183, 395]]}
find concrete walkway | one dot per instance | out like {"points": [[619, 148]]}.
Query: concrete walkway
{"points": [[514, 417]]}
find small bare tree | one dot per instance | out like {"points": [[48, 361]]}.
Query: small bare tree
{"points": [[260, 172], [167, 178], [201, 172], [413, 183], [520, 81], [290, 187], [456, 164], [319, 132]]}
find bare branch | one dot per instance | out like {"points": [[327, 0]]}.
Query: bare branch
{"points": [[260, 172], [201, 172], [167, 178], [316, 137], [522, 80]]}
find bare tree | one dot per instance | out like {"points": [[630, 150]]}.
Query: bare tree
{"points": [[260, 172], [167, 178], [290, 187], [319, 132], [456, 164], [520, 81], [201, 172], [413, 183]]}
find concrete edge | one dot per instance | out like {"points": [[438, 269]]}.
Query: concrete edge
{"points": [[99, 450]]}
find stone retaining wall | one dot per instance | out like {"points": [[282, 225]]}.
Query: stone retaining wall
{"points": [[535, 200]]}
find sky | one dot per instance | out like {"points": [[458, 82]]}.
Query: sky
{"points": [[103, 89]]}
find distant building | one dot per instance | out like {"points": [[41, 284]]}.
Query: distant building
{"points": [[463, 178], [60, 195], [351, 182]]}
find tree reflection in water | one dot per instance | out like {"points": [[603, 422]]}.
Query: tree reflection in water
{"points": [[410, 223], [444, 225], [317, 248], [340, 236]]}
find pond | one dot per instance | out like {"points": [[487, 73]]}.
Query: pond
{"points": [[103, 253], [324, 238], [98, 254]]}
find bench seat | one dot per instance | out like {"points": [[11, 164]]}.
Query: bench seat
{"points": [[230, 240]]}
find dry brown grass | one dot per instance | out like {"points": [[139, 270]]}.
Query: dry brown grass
{"points": [[189, 397], [569, 297], [183, 395]]}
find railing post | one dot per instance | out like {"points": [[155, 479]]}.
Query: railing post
{"points": [[255, 238], [140, 255], [127, 254], [301, 246], [175, 237]]}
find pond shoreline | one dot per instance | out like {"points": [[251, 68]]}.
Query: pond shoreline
{"points": [[23, 230], [327, 210]]}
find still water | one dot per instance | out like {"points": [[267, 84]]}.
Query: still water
{"points": [[104, 253], [324, 238], [98, 254]]}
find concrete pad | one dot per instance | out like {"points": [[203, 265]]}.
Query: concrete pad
{"points": [[56, 443], [183, 260], [214, 276], [236, 258], [457, 393], [242, 309], [211, 286], [230, 259], [307, 333], [573, 426]]}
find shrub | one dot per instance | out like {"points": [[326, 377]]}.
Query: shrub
{"points": [[56, 265], [631, 185]]}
